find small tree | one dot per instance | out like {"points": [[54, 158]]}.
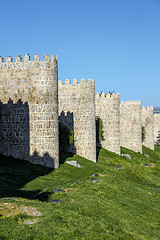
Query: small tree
{"points": [[143, 133], [158, 139]]}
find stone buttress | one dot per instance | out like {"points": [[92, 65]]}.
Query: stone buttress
{"points": [[29, 116]]}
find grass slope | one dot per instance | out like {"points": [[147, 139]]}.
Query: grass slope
{"points": [[124, 204]]}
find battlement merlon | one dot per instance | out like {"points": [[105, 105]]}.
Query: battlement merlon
{"points": [[90, 83], [147, 109], [27, 63], [127, 103], [156, 115], [107, 96], [65, 114]]}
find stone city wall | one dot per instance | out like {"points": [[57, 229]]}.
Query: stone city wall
{"points": [[107, 109], [130, 125], [156, 125], [29, 117], [78, 101], [148, 123], [31, 102]]}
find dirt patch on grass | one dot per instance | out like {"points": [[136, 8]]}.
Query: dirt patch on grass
{"points": [[12, 209], [70, 189], [28, 222]]}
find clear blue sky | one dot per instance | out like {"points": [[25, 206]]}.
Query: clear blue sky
{"points": [[115, 42]]}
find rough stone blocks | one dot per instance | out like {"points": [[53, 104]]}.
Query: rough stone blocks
{"points": [[29, 117], [107, 109], [130, 125], [78, 101], [156, 125]]}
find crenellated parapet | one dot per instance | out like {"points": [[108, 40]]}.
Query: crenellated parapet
{"points": [[131, 103], [28, 80], [130, 125], [147, 108], [107, 96], [83, 83], [107, 109], [148, 124], [79, 99], [33, 82], [27, 62]]}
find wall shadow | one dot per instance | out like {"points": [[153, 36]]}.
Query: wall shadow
{"points": [[14, 129], [99, 136], [98, 149], [15, 148], [66, 132], [15, 174]]}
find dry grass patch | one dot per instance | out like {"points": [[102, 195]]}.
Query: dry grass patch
{"points": [[70, 189], [100, 180], [102, 175], [152, 164]]}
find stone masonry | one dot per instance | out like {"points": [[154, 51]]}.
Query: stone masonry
{"points": [[107, 109], [32, 101], [130, 125], [148, 123], [76, 104], [28, 109], [156, 125]]}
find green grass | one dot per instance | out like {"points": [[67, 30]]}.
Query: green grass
{"points": [[124, 204]]}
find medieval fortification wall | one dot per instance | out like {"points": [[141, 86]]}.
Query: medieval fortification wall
{"points": [[78, 101], [148, 123], [32, 100], [156, 125], [29, 117], [130, 125], [107, 109]]}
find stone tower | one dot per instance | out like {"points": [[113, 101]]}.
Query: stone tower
{"points": [[29, 117], [107, 109], [76, 104], [130, 125], [156, 125], [148, 123]]}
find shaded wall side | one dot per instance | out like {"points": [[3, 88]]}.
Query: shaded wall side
{"points": [[148, 123], [14, 129], [130, 125]]}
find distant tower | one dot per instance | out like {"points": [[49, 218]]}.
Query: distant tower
{"points": [[148, 123], [131, 125]]}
